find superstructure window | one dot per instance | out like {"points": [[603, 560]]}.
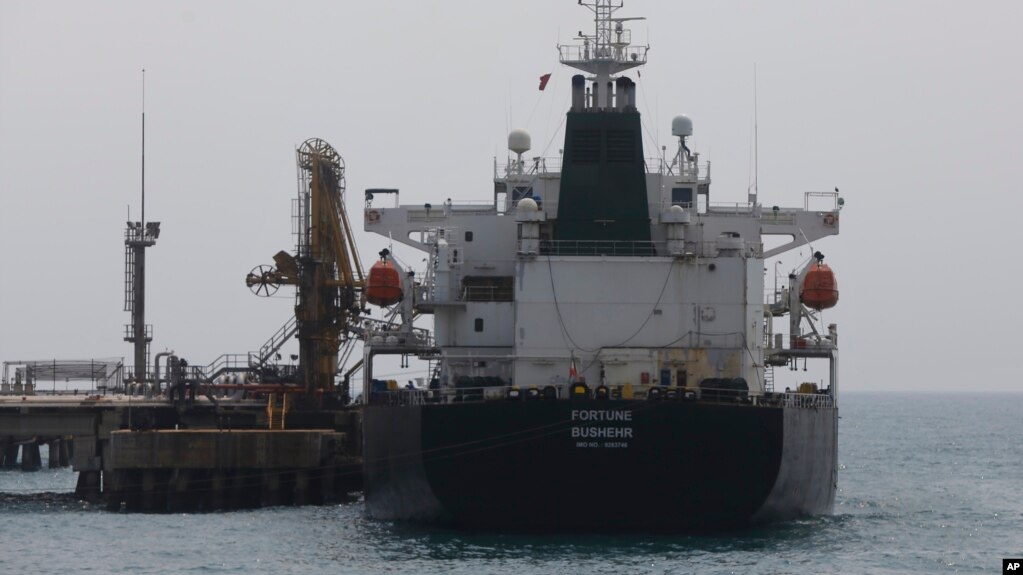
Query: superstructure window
{"points": [[468, 236], [488, 288], [682, 196], [479, 324]]}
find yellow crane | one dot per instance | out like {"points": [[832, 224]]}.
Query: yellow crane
{"points": [[325, 268]]}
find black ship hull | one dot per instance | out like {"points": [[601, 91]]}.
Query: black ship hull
{"points": [[599, 466]]}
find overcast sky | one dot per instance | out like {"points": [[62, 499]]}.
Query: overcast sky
{"points": [[911, 108]]}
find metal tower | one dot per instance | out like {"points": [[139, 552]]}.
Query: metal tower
{"points": [[608, 51], [137, 237]]}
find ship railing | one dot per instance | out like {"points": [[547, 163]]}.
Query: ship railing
{"points": [[600, 248], [537, 165], [541, 166], [734, 208], [810, 400], [821, 201], [689, 169], [488, 293], [821, 400], [443, 211], [780, 217], [402, 397], [391, 335], [618, 392], [551, 207], [634, 55]]}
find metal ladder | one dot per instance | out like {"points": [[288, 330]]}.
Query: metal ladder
{"points": [[129, 278], [277, 410]]}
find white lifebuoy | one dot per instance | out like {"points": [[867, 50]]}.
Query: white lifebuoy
{"points": [[372, 216]]}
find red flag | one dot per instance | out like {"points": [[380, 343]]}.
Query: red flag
{"points": [[572, 373], [543, 81]]}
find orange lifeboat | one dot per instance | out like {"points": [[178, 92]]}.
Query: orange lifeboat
{"points": [[383, 287], [820, 289]]}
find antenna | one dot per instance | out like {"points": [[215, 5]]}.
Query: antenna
{"points": [[756, 139], [143, 148]]}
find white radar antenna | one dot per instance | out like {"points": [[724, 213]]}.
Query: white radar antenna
{"points": [[605, 53]]}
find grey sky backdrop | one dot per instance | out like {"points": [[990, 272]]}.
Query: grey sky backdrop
{"points": [[912, 108]]}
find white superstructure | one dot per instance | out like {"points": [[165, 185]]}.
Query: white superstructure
{"points": [[515, 308]]}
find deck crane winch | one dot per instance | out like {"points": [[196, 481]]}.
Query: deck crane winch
{"points": [[325, 268]]}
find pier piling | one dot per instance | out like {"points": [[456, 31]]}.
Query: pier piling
{"points": [[30, 458], [10, 456], [58, 453]]}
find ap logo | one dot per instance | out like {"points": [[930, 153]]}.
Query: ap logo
{"points": [[1012, 566]]}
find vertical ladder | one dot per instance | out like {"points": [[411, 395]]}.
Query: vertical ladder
{"points": [[276, 409], [129, 278], [769, 378]]}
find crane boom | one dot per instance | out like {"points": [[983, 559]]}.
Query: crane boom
{"points": [[325, 268]]}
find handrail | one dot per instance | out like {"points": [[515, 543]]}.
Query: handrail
{"points": [[448, 394], [599, 248], [228, 362], [809, 400], [278, 339]]}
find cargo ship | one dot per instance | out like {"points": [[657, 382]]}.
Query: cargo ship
{"points": [[603, 346]]}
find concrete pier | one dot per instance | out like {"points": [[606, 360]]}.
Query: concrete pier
{"points": [[152, 456], [192, 470]]}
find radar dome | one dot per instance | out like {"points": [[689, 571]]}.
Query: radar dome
{"points": [[681, 126], [677, 209], [519, 141], [528, 205]]}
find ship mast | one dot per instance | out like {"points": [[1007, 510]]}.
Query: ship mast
{"points": [[605, 53]]}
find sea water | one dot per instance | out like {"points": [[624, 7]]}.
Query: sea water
{"points": [[927, 484]]}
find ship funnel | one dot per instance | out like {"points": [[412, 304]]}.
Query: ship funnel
{"points": [[621, 93], [630, 91], [578, 93]]}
